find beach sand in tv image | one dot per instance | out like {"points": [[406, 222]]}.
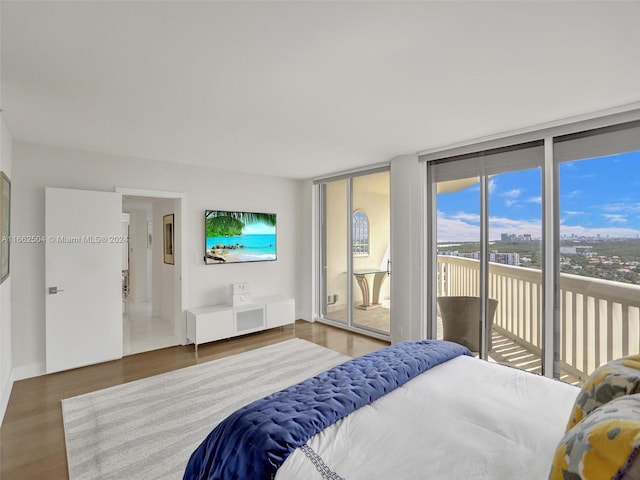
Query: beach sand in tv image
{"points": [[235, 237]]}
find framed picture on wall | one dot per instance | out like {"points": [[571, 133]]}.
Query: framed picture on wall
{"points": [[5, 212], [167, 228]]}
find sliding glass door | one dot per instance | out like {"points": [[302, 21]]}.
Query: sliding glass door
{"points": [[599, 247], [458, 228], [355, 263], [335, 255], [547, 233], [488, 252]]}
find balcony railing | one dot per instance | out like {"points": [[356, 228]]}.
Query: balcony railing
{"points": [[599, 319]]}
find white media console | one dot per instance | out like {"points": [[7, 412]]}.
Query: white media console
{"points": [[216, 322]]}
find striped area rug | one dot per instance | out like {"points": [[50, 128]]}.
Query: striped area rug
{"points": [[147, 429]]}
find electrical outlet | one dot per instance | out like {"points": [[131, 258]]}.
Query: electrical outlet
{"points": [[332, 299]]}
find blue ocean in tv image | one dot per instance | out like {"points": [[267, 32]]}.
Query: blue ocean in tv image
{"points": [[233, 237], [262, 246]]}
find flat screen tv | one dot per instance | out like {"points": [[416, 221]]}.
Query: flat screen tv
{"points": [[236, 237]]}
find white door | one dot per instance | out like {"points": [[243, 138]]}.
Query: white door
{"points": [[83, 257]]}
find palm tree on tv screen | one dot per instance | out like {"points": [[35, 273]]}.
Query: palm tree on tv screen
{"points": [[225, 224]]}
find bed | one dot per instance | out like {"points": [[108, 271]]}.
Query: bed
{"points": [[415, 410]]}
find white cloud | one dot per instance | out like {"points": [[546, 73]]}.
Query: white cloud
{"points": [[535, 200], [492, 186], [498, 225], [514, 193], [612, 207], [460, 227], [615, 218], [572, 194], [451, 229], [469, 217], [464, 227], [620, 207]]}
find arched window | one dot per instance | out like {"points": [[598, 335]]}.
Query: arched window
{"points": [[360, 234]]}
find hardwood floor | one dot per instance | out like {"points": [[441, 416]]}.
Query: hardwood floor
{"points": [[32, 436]]}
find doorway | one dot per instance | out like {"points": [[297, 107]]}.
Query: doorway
{"points": [[151, 287]]}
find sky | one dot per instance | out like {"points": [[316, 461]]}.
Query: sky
{"points": [[599, 196], [258, 228]]}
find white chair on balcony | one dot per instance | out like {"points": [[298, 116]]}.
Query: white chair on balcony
{"points": [[461, 320]]}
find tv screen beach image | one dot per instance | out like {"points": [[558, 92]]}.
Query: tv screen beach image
{"points": [[235, 237]]}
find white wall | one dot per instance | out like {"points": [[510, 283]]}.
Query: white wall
{"points": [[37, 166], [306, 258], [6, 372], [407, 252], [6, 364], [164, 282], [337, 247], [140, 288]]}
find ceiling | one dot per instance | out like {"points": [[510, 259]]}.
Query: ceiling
{"points": [[302, 89]]}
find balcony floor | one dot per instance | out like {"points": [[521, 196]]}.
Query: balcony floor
{"points": [[507, 352]]}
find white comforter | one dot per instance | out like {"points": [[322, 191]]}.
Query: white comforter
{"points": [[465, 419]]}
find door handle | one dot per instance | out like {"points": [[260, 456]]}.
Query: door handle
{"points": [[54, 290]]}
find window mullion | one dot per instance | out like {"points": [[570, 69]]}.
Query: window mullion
{"points": [[550, 248], [484, 264]]}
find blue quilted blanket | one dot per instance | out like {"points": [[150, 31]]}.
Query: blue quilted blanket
{"points": [[254, 441]]}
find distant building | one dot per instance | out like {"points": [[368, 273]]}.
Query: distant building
{"points": [[513, 238], [505, 258]]}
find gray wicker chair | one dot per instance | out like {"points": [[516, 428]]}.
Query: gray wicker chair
{"points": [[461, 320]]}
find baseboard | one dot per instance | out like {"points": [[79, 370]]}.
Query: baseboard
{"points": [[29, 371], [6, 394]]}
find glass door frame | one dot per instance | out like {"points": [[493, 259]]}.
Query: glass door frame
{"points": [[484, 172], [432, 265], [550, 218], [432, 259], [322, 300]]}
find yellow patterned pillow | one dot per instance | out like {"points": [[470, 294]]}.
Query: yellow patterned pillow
{"points": [[603, 446], [609, 381]]}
